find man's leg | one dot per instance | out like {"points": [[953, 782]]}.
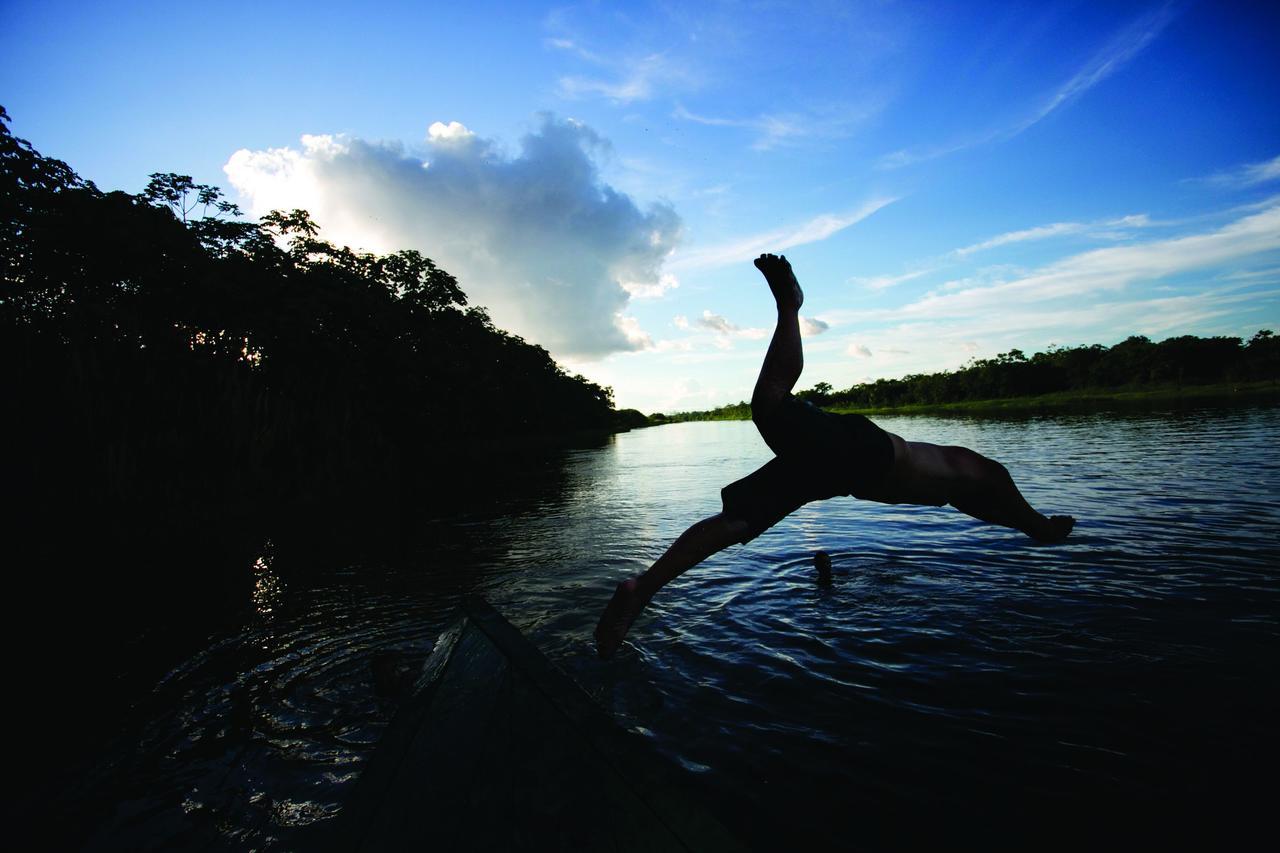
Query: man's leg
{"points": [[784, 359], [707, 537], [782, 365], [933, 475]]}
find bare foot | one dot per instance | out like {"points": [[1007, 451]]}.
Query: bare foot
{"points": [[782, 281], [1056, 528], [622, 610]]}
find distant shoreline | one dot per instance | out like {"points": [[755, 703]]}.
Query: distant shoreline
{"points": [[1223, 394]]}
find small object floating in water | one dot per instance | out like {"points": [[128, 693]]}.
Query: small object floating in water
{"points": [[822, 562], [497, 749]]}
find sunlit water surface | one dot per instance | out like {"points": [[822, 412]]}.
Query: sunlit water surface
{"points": [[950, 664]]}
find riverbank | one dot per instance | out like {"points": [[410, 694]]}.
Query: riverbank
{"points": [[1220, 394], [1265, 392]]}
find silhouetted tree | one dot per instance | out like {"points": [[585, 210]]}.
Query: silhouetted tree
{"points": [[173, 367]]}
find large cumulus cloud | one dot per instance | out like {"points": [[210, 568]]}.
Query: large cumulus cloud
{"points": [[552, 251]]}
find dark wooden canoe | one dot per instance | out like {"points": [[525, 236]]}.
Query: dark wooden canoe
{"points": [[499, 750]]}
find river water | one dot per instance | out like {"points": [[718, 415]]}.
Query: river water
{"points": [[952, 670]]}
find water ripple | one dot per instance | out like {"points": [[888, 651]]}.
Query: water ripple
{"points": [[948, 661]]}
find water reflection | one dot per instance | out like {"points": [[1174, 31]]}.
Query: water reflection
{"points": [[947, 662], [268, 588]]}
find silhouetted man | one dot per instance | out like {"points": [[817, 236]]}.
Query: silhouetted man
{"points": [[821, 455]]}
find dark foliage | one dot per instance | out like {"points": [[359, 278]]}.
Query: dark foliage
{"points": [[1134, 363], [181, 384], [628, 419], [732, 412]]}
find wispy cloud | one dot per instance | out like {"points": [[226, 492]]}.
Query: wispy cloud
{"points": [[1089, 281], [724, 329], [623, 79], [1246, 175], [1038, 233], [773, 130], [1111, 269], [1115, 228], [926, 344], [811, 327], [910, 156], [1114, 55], [1126, 44], [779, 239], [938, 341], [635, 80], [576, 49], [884, 282], [1057, 229]]}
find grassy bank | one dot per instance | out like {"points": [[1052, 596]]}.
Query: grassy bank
{"points": [[1263, 392], [1219, 394]]}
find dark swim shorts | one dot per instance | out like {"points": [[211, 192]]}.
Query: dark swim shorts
{"points": [[819, 455]]}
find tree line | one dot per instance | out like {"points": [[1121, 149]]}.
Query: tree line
{"points": [[179, 376], [1136, 363]]}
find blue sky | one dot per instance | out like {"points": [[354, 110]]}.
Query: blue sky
{"points": [[950, 180]]}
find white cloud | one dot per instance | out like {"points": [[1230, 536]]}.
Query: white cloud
{"points": [[811, 327], [635, 80], [1133, 220], [1037, 233], [1117, 228], [453, 133], [635, 335], [858, 350], [716, 323], [723, 328], [1247, 175], [745, 248], [685, 394], [651, 289], [776, 129], [1110, 269], [1097, 296], [771, 130], [938, 343], [552, 251], [883, 282], [1105, 228], [573, 47]]}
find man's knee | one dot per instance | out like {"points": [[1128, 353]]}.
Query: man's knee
{"points": [[971, 465], [973, 476], [764, 402], [735, 526], [995, 472]]}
